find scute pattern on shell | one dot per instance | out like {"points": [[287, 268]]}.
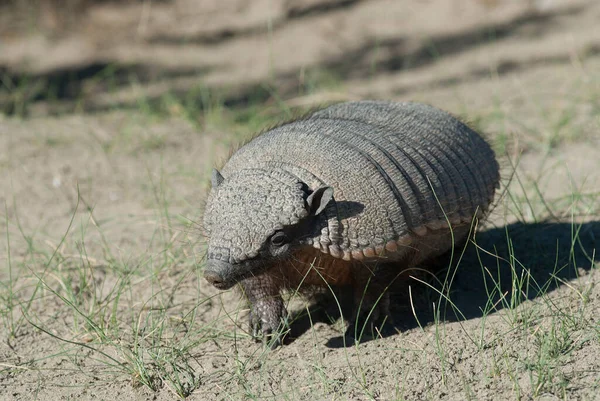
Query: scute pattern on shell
{"points": [[412, 167], [399, 172], [247, 208]]}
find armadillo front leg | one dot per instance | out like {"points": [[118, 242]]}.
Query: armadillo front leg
{"points": [[268, 315]]}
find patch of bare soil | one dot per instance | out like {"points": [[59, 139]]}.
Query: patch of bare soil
{"points": [[103, 198]]}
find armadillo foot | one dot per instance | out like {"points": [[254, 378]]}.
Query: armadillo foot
{"points": [[268, 321], [268, 316], [371, 313]]}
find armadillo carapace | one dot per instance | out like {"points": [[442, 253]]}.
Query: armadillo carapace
{"points": [[344, 196]]}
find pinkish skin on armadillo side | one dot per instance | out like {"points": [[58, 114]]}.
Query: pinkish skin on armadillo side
{"points": [[366, 183]]}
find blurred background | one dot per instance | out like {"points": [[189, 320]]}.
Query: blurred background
{"points": [[175, 55]]}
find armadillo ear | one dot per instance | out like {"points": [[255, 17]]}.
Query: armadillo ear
{"points": [[216, 178], [318, 200]]}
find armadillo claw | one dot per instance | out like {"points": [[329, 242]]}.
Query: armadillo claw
{"points": [[266, 335], [272, 339]]}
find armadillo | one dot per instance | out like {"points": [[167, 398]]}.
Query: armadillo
{"points": [[344, 197]]}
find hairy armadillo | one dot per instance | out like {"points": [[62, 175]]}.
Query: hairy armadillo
{"points": [[340, 197]]}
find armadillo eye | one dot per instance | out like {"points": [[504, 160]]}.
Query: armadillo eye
{"points": [[279, 239]]}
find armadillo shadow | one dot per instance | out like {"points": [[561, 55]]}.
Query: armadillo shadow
{"points": [[502, 268], [521, 261]]}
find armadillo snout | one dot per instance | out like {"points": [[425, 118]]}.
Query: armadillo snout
{"points": [[219, 274], [214, 279]]}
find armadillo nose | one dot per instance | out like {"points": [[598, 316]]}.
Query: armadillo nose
{"points": [[218, 273], [213, 278]]}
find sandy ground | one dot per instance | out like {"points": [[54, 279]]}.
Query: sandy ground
{"points": [[100, 188]]}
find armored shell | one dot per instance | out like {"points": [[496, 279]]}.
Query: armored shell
{"points": [[398, 171]]}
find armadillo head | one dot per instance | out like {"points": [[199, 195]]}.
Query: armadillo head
{"points": [[255, 218]]}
